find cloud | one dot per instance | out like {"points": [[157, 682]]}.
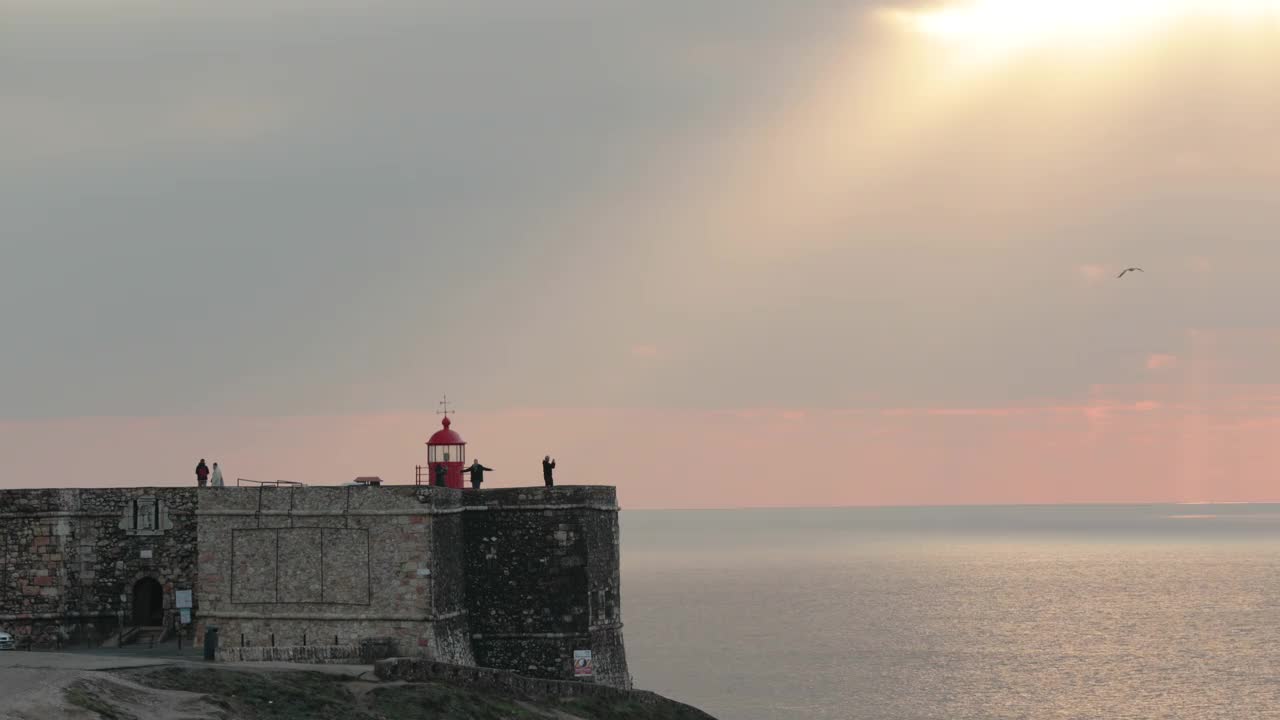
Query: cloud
{"points": [[739, 185], [228, 118], [1127, 443], [1199, 264], [1161, 361], [1096, 410], [67, 131], [1092, 273]]}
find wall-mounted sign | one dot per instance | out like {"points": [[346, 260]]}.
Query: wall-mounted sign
{"points": [[146, 554], [182, 599], [582, 663]]}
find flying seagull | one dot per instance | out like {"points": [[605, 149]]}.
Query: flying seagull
{"points": [[1129, 270]]}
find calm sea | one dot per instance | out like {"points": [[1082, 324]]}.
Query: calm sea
{"points": [[1168, 611]]}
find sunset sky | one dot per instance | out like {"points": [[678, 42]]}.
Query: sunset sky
{"points": [[747, 253]]}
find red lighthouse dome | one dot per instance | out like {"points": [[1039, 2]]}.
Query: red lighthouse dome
{"points": [[446, 448], [445, 436]]}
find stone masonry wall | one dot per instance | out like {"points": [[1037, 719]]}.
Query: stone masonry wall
{"points": [[72, 560], [542, 570], [311, 565], [514, 579]]}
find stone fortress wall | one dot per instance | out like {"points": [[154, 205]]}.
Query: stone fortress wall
{"points": [[330, 565], [542, 572], [514, 579], [75, 564]]}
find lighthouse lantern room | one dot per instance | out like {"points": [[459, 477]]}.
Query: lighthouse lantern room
{"points": [[446, 448]]}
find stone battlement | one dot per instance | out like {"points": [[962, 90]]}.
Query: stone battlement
{"points": [[590, 497], [26, 503]]}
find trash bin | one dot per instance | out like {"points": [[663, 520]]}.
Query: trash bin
{"points": [[211, 642]]}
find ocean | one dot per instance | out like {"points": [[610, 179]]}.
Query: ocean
{"points": [[1154, 611]]}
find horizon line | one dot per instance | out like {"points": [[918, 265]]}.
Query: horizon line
{"points": [[1095, 504]]}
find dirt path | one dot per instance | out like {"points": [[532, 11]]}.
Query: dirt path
{"points": [[34, 684]]}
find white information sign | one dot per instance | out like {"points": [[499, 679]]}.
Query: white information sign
{"points": [[182, 599], [582, 663]]}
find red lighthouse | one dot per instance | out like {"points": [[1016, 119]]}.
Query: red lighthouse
{"points": [[446, 447]]}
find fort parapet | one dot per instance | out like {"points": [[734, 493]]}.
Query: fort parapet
{"points": [[515, 579]]}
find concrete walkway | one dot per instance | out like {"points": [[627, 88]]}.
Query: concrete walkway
{"points": [[23, 660]]}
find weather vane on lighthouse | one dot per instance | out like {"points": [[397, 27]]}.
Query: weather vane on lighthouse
{"points": [[444, 407]]}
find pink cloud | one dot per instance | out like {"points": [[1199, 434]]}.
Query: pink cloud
{"points": [[1199, 264], [1092, 410], [1092, 273], [1189, 440], [975, 412], [644, 351], [1120, 444]]}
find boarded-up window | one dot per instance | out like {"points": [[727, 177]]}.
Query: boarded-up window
{"points": [[300, 565], [143, 515]]}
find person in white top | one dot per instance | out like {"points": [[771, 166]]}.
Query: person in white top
{"points": [[215, 478]]}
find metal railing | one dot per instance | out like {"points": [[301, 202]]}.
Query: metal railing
{"points": [[268, 483]]}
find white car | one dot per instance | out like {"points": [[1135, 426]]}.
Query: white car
{"points": [[6, 641]]}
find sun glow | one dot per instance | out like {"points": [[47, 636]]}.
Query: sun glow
{"points": [[1014, 24]]}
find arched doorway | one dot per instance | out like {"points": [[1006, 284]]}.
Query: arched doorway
{"points": [[148, 603]]}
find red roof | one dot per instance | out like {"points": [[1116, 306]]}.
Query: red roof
{"points": [[446, 436]]}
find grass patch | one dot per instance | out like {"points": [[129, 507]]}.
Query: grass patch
{"points": [[597, 708], [264, 695], [83, 698], [303, 695], [430, 700]]}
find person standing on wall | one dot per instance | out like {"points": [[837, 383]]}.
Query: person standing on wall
{"points": [[547, 466], [477, 473], [215, 478], [202, 473]]}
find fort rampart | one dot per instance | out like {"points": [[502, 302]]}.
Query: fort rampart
{"points": [[520, 579]]}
